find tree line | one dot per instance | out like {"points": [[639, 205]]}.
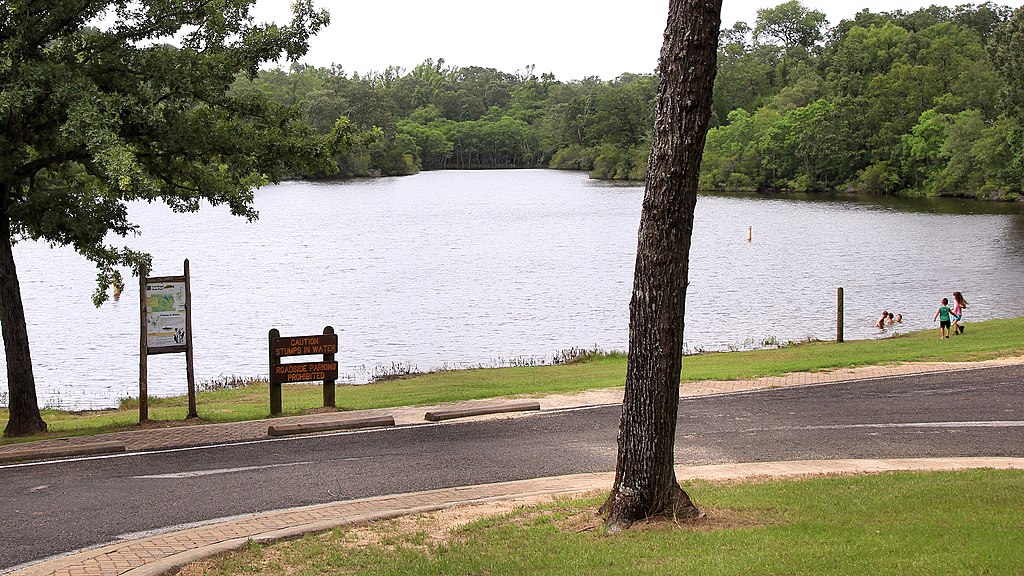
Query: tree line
{"points": [[924, 102], [438, 116]]}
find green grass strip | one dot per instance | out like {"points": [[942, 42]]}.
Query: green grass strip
{"points": [[982, 341], [902, 523]]}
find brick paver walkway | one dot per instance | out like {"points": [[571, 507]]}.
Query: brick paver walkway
{"points": [[160, 553]]}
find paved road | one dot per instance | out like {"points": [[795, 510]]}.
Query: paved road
{"points": [[64, 506]]}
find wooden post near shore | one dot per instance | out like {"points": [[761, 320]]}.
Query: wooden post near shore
{"points": [[839, 315], [275, 385], [190, 371], [329, 383], [143, 349]]}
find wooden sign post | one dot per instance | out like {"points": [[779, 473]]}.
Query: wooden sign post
{"points": [[326, 370], [839, 314], [165, 304]]}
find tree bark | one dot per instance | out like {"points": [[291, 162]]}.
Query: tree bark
{"points": [[21, 385], [645, 481]]}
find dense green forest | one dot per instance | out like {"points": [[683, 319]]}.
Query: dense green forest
{"points": [[929, 102]]}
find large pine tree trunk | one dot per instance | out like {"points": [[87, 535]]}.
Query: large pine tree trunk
{"points": [[21, 384], [645, 481]]}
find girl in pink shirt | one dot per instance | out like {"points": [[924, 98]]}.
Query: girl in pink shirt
{"points": [[957, 312]]}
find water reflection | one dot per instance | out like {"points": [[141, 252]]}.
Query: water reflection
{"points": [[1013, 237], [915, 205]]}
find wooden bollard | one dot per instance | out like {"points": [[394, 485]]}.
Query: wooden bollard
{"points": [[839, 315]]}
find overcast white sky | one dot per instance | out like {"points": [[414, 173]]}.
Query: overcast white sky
{"points": [[571, 38]]}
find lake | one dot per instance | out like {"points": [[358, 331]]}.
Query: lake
{"points": [[463, 268]]}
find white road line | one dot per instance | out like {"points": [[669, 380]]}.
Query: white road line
{"points": [[976, 424], [389, 429], [198, 473]]}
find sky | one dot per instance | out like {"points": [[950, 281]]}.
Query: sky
{"points": [[572, 39]]}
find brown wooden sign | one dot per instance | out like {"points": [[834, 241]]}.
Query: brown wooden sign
{"points": [[304, 372], [304, 345], [324, 370]]}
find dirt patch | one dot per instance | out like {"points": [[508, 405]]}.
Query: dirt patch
{"points": [[436, 528], [195, 568], [425, 532], [420, 531], [269, 556], [580, 517], [714, 520], [587, 398], [432, 528]]}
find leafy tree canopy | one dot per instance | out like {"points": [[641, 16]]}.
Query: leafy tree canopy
{"points": [[99, 114], [791, 25]]}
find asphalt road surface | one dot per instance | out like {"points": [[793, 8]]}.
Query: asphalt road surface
{"points": [[56, 507]]}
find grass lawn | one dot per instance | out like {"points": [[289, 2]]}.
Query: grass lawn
{"points": [[968, 522], [982, 341]]}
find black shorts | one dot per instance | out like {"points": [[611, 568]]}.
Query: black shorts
{"points": [[943, 323]]}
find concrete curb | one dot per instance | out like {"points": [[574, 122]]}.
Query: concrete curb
{"points": [[450, 413], [330, 425], [62, 451]]}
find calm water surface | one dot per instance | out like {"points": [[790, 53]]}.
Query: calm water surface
{"points": [[449, 269]]}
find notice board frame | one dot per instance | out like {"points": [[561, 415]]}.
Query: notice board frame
{"points": [[145, 281]]}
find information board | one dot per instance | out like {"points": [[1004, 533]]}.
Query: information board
{"points": [[165, 315], [165, 327]]}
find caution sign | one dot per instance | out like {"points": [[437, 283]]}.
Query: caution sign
{"points": [[304, 345], [324, 370]]}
